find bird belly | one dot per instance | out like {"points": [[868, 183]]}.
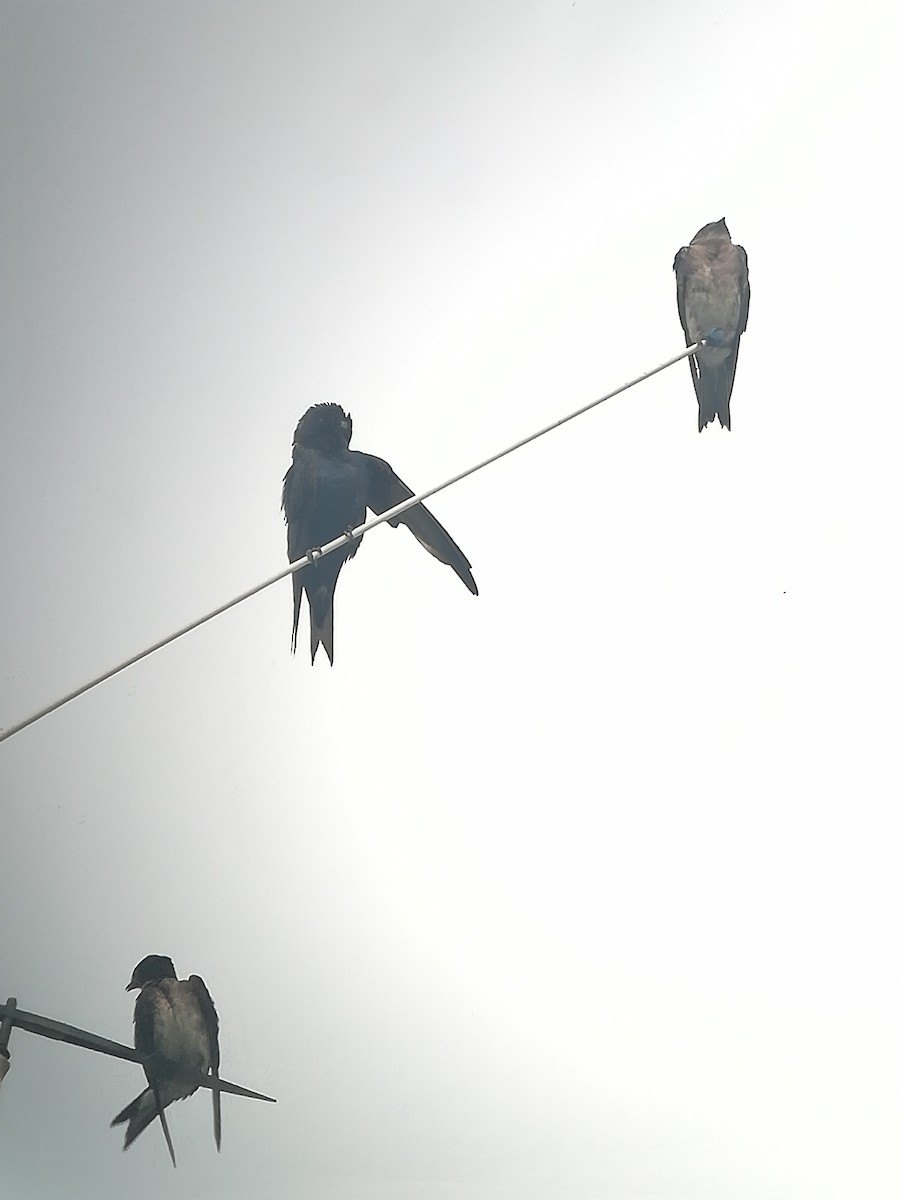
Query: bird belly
{"points": [[337, 506], [710, 310]]}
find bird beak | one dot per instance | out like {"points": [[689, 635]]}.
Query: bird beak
{"points": [[130, 987]]}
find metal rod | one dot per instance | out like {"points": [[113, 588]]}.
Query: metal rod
{"points": [[6, 1026], [349, 536], [11, 1017]]}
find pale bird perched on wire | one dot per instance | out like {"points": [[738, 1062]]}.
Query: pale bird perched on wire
{"points": [[713, 302]]}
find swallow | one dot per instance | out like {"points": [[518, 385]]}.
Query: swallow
{"points": [[327, 489], [175, 1021], [713, 301]]}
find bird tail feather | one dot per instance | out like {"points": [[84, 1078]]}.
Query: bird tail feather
{"points": [[139, 1113], [712, 396], [321, 625], [217, 1112], [298, 596]]}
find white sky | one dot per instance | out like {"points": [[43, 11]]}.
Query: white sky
{"points": [[584, 888]]}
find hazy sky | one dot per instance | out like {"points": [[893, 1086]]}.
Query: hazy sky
{"points": [[586, 887]]}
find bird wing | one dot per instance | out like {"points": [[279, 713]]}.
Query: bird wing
{"points": [[144, 1018], [745, 289], [286, 491], [743, 313], [385, 489], [293, 506], [211, 1022], [140, 1113], [682, 269], [210, 1017]]}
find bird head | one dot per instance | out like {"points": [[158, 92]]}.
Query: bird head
{"points": [[152, 969], [324, 427], [715, 230]]}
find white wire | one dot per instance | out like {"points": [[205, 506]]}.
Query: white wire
{"points": [[338, 541]]}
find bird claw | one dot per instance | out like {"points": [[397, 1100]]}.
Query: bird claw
{"points": [[715, 338]]}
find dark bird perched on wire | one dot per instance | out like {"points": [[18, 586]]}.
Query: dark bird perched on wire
{"points": [[327, 490], [175, 1020], [713, 302]]}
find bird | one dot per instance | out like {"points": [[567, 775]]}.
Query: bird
{"points": [[713, 301], [175, 1022], [326, 492]]}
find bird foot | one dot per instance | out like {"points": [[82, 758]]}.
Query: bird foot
{"points": [[715, 338]]}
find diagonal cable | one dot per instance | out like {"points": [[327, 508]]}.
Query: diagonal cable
{"points": [[338, 541]]}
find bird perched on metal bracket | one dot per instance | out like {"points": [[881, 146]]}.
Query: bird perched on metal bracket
{"points": [[175, 1023]]}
